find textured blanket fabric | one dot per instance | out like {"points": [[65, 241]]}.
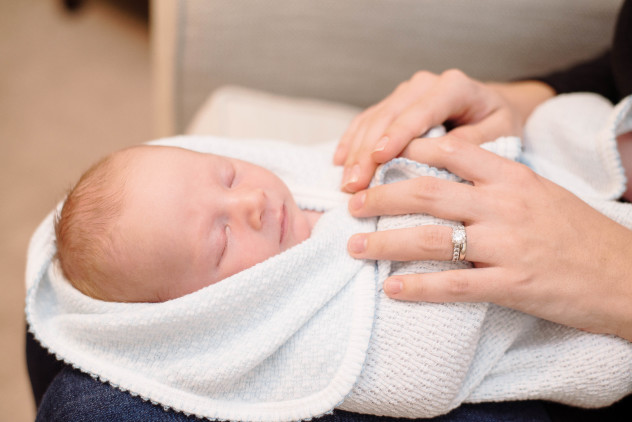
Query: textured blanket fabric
{"points": [[284, 340], [310, 329]]}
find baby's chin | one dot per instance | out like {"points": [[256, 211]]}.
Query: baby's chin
{"points": [[303, 225]]}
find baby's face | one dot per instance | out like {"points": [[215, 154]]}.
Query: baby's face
{"points": [[191, 219]]}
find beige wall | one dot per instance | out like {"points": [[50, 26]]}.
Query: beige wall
{"points": [[72, 87]]}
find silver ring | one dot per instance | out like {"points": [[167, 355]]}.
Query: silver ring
{"points": [[459, 242]]}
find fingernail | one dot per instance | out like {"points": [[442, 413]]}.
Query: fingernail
{"points": [[392, 286], [357, 201], [345, 176], [353, 176], [357, 243], [381, 145]]}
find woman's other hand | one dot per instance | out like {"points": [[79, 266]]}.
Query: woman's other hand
{"points": [[535, 246], [477, 112]]}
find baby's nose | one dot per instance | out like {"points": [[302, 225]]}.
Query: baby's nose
{"points": [[253, 202]]}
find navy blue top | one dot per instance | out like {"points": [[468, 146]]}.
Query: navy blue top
{"points": [[610, 74]]}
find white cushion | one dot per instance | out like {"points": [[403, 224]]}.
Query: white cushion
{"points": [[238, 112]]}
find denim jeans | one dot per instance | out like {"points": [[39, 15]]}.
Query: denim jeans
{"points": [[74, 396], [63, 394]]}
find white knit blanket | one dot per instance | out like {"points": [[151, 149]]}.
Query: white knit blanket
{"points": [[310, 329]]}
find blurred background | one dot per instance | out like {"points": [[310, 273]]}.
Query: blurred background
{"points": [[74, 85]]}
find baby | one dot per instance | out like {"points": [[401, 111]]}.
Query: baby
{"points": [[153, 223]]}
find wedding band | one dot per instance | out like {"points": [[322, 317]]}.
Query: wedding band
{"points": [[459, 242]]}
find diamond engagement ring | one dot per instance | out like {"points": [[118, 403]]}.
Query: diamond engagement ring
{"points": [[459, 241]]}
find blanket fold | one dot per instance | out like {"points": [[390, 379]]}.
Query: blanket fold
{"points": [[260, 345]]}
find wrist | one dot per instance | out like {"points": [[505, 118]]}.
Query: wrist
{"points": [[523, 97]]}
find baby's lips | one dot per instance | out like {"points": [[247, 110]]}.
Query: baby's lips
{"points": [[282, 223]]}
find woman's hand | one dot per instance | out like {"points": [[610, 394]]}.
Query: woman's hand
{"points": [[478, 112], [536, 247]]}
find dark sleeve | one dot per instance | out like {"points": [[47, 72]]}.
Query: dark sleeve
{"points": [[622, 51], [42, 367], [610, 74], [592, 76]]}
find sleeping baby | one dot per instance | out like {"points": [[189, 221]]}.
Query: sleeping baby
{"points": [[153, 223], [242, 303]]}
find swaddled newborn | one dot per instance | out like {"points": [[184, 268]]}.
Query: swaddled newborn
{"points": [[305, 330], [153, 223]]}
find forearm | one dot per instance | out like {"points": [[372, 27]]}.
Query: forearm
{"points": [[614, 259]]}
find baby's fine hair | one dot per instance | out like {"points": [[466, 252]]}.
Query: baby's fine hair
{"points": [[84, 228]]}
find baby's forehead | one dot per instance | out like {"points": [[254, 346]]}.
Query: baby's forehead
{"points": [[153, 155], [181, 162], [162, 152], [148, 168]]}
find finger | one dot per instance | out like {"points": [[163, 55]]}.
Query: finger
{"points": [[421, 195], [359, 168], [354, 135], [359, 176], [360, 165], [341, 152], [373, 125], [402, 108], [359, 162], [431, 242], [463, 285], [340, 155], [454, 96], [466, 160], [497, 124]]}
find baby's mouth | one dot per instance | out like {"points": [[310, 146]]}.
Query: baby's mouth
{"points": [[283, 224]]}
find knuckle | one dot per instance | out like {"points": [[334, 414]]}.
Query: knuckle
{"points": [[454, 75], [385, 115], [450, 144], [513, 209], [459, 81], [457, 285], [401, 87], [377, 244], [520, 173], [422, 76], [433, 239], [404, 130], [426, 188], [374, 200], [415, 289]]}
